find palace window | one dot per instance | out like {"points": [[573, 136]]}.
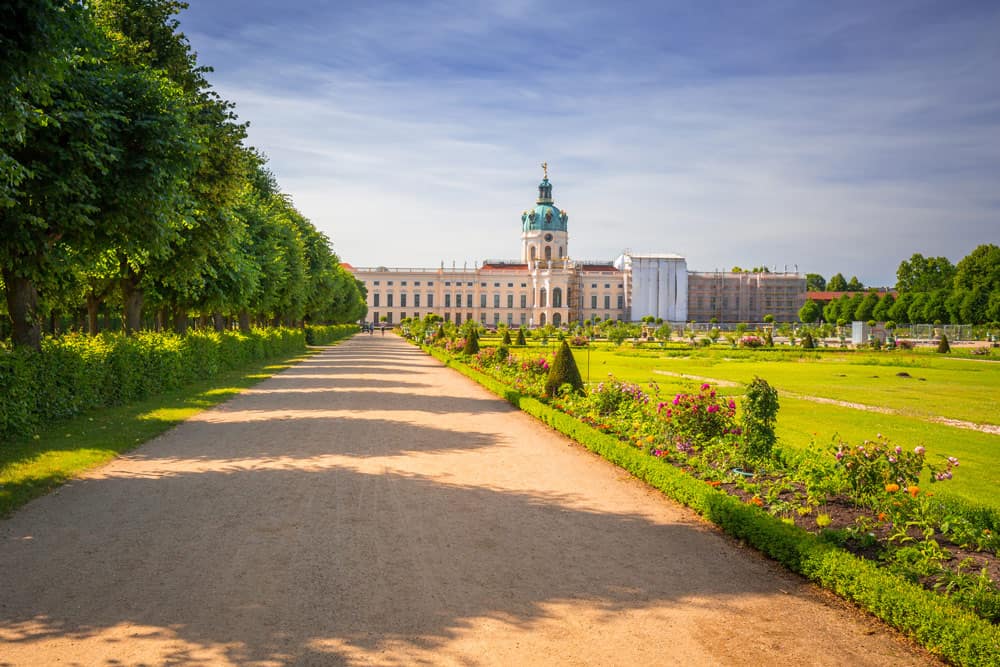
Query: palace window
{"points": [[402, 300], [375, 297], [496, 300], [482, 300], [557, 298], [524, 300], [430, 300], [458, 300], [416, 300], [593, 301], [542, 297], [447, 301], [388, 300], [607, 301], [510, 300]]}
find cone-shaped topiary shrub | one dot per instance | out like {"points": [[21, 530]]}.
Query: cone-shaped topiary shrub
{"points": [[768, 339], [502, 353], [520, 337], [439, 334], [563, 371], [944, 347], [807, 341], [506, 337], [471, 342], [760, 413]]}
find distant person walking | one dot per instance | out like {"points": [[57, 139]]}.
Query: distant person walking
{"points": [[383, 329]]}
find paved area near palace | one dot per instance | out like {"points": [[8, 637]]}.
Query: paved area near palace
{"points": [[371, 507]]}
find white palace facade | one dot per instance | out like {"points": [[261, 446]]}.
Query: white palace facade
{"points": [[547, 286]]}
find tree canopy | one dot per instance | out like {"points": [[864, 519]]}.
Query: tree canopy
{"points": [[125, 183]]}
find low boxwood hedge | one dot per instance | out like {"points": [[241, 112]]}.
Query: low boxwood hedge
{"points": [[944, 628]]}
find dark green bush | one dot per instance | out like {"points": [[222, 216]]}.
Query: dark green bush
{"points": [[943, 346], [563, 371], [520, 337], [506, 337], [471, 342], [760, 414], [76, 373], [808, 343]]}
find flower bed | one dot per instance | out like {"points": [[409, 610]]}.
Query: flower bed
{"points": [[865, 502]]}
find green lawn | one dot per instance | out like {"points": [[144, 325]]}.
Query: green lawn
{"points": [[32, 466]]}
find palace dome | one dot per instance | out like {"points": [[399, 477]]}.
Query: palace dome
{"points": [[544, 215]]}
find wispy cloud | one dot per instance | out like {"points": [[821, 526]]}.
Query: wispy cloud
{"points": [[835, 139]]}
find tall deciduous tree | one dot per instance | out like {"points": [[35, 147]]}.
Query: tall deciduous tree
{"points": [[924, 274], [837, 283], [815, 282], [809, 312], [56, 195]]}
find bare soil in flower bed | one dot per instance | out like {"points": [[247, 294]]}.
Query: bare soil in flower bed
{"points": [[844, 514]]}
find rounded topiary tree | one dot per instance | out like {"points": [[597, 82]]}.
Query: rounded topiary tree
{"points": [[563, 371], [520, 337], [471, 342], [943, 346], [506, 337]]}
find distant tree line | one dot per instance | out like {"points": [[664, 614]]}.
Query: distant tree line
{"points": [[929, 290], [125, 182]]}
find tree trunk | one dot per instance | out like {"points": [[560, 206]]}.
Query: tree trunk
{"points": [[22, 304], [218, 322], [132, 299], [245, 321], [93, 304], [180, 320]]}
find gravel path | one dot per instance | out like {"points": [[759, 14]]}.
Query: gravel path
{"points": [[371, 507]]}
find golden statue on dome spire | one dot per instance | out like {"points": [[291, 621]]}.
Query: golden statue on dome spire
{"points": [[545, 170]]}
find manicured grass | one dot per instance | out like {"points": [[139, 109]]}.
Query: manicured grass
{"points": [[953, 388], [32, 466], [935, 386]]}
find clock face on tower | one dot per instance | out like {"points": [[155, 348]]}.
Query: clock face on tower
{"points": [[548, 237]]}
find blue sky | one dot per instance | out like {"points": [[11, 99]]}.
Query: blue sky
{"points": [[829, 136]]}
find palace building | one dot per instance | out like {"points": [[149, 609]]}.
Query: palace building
{"points": [[547, 286]]}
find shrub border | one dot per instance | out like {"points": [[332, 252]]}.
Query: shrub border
{"points": [[943, 628]]}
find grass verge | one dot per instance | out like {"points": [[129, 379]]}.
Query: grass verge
{"points": [[31, 466]]}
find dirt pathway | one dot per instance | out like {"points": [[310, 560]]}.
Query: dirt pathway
{"points": [[370, 507]]}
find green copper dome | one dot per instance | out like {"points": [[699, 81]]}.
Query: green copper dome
{"points": [[545, 215]]}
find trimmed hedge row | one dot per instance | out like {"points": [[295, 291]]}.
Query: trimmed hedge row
{"points": [[76, 373], [326, 334], [945, 629]]}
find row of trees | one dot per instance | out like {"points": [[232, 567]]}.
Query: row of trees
{"points": [[929, 289], [837, 283], [125, 181]]}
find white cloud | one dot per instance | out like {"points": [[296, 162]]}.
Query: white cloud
{"points": [[833, 170]]}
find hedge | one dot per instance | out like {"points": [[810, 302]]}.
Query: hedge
{"points": [[75, 373], [327, 334], [942, 627]]}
